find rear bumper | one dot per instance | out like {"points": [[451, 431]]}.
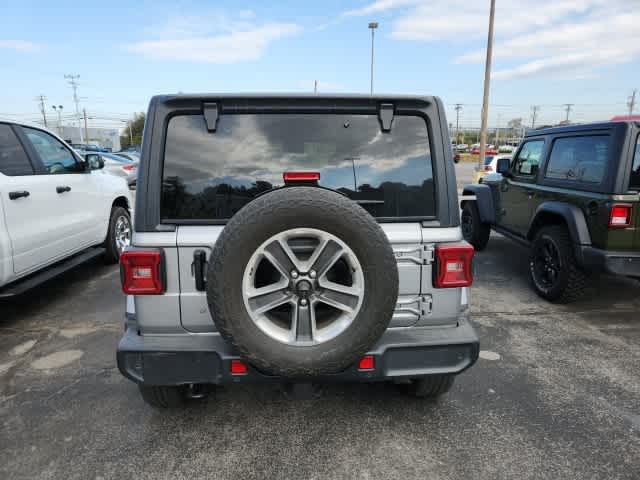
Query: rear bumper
{"points": [[619, 263], [189, 358]]}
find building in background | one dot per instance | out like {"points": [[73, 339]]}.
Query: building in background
{"points": [[104, 137]]}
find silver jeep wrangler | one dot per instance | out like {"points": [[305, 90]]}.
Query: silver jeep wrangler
{"points": [[295, 238]]}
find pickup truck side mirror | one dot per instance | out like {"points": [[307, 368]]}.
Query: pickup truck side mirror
{"points": [[94, 161], [504, 167]]}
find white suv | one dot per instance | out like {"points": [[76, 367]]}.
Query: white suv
{"points": [[55, 206]]}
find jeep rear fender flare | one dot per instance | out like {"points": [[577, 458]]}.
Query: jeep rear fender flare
{"points": [[572, 216], [484, 200]]}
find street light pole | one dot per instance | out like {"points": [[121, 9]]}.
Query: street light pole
{"points": [[487, 82], [372, 26]]}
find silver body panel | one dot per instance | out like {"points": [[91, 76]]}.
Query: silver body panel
{"points": [[183, 309]]}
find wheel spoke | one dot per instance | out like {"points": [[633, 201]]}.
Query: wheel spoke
{"points": [[339, 296], [267, 298], [281, 256], [303, 322], [325, 256]]}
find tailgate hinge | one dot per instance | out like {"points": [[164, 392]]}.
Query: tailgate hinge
{"points": [[428, 254], [422, 255], [426, 305]]}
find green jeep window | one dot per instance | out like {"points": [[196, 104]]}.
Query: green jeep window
{"points": [[634, 184], [528, 159], [579, 159]]}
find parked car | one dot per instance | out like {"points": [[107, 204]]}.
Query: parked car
{"points": [[506, 148], [119, 165], [289, 246], [89, 147], [491, 163], [58, 209], [133, 156], [463, 147], [489, 150], [572, 196]]}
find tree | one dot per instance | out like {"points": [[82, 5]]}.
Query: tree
{"points": [[135, 126]]}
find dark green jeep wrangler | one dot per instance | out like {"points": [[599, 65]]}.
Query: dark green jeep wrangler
{"points": [[572, 195]]}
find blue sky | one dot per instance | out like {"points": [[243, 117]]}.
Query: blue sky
{"points": [[547, 53]]}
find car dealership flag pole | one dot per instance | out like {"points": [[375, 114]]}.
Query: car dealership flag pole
{"points": [[485, 98]]}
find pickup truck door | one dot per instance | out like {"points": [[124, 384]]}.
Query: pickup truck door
{"points": [[58, 214], [518, 192]]}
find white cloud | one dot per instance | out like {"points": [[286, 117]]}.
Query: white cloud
{"points": [[219, 39], [532, 37], [378, 6], [20, 45]]}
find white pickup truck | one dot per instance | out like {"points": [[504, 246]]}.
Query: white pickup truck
{"points": [[57, 209]]}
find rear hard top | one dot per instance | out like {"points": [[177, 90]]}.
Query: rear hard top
{"points": [[206, 156]]}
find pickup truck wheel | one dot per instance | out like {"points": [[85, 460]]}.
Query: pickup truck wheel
{"points": [[474, 230], [163, 396], [302, 282], [554, 272], [118, 235], [432, 386]]}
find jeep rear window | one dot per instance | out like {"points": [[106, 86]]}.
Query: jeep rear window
{"points": [[579, 159], [211, 175], [634, 183]]}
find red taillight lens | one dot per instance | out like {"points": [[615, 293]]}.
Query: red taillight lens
{"points": [[238, 367], [301, 176], [620, 216], [488, 168], [141, 272], [129, 167], [453, 265], [368, 362]]}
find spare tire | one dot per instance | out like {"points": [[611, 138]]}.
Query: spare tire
{"points": [[302, 282]]}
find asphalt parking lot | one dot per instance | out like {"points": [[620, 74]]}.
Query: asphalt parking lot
{"points": [[556, 394]]}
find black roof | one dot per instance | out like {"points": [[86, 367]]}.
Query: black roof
{"points": [[581, 127]]}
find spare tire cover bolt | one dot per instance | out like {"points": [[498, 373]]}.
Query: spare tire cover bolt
{"points": [[303, 302], [312, 274], [294, 274]]}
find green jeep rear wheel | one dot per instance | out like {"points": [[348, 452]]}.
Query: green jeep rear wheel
{"points": [[554, 272]]}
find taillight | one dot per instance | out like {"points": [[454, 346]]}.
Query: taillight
{"points": [[368, 362], [488, 168], [129, 167], [301, 176], [620, 216], [453, 265], [141, 272], [238, 367]]}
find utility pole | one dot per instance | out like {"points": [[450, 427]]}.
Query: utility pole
{"points": [[315, 86], [487, 83], [41, 99], [372, 26], [568, 108], [632, 101], [73, 81], [458, 108], [534, 115], [86, 131]]}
